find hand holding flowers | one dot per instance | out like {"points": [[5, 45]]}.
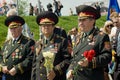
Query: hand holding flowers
{"points": [[88, 56]]}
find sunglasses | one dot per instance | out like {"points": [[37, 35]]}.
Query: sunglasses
{"points": [[110, 26]]}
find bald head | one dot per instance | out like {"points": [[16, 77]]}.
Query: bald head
{"points": [[11, 12]]}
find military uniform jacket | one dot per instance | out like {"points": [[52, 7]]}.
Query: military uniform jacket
{"points": [[99, 42], [60, 63], [18, 55]]}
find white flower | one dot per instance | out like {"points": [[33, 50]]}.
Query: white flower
{"points": [[48, 54]]}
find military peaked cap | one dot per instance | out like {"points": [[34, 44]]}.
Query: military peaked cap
{"points": [[47, 17], [85, 11], [14, 20]]}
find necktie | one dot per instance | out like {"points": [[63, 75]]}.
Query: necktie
{"points": [[46, 41], [14, 41]]}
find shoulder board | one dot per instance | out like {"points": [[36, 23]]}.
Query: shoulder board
{"points": [[27, 38], [37, 42], [7, 40]]}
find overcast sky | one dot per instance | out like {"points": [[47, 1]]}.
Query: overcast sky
{"points": [[68, 4]]}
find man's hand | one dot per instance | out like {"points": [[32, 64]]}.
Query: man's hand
{"points": [[4, 69], [69, 74], [83, 63], [51, 75], [12, 72]]}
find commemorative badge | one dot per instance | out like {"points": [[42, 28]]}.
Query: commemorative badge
{"points": [[13, 55], [17, 50], [6, 52], [20, 55], [91, 40]]}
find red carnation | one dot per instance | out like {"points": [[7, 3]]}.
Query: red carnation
{"points": [[85, 54], [89, 54]]}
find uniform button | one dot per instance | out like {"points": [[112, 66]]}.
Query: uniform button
{"points": [[40, 67], [41, 74]]}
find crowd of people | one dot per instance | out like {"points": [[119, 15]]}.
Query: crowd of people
{"points": [[6, 7], [56, 4], [85, 53], [57, 7], [34, 10]]}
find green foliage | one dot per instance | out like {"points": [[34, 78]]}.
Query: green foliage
{"points": [[101, 21], [22, 7], [66, 22]]}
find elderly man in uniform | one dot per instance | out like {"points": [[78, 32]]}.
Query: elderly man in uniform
{"points": [[25, 28], [93, 50], [52, 44], [17, 53]]}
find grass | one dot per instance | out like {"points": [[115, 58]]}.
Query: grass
{"points": [[66, 22]]}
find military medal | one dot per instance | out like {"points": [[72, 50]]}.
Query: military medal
{"points": [[90, 38], [6, 52], [17, 50], [13, 55], [92, 42], [20, 56]]}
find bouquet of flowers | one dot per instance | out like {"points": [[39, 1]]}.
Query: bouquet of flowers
{"points": [[49, 58], [87, 54]]}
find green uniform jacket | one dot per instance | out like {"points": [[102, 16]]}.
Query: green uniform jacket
{"points": [[18, 55], [99, 42], [60, 63]]}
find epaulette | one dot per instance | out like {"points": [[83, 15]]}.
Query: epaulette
{"points": [[6, 41], [38, 47], [57, 36], [28, 38]]}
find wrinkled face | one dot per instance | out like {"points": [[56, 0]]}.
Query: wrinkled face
{"points": [[16, 32], [74, 31], [47, 29], [86, 24]]}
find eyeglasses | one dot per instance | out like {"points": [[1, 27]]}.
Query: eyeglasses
{"points": [[46, 25], [110, 26]]}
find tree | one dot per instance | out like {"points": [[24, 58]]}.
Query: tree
{"points": [[22, 7]]}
